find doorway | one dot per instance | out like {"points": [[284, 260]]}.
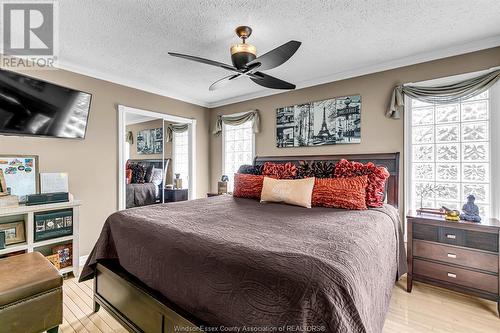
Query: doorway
{"points": [[156, 157]]}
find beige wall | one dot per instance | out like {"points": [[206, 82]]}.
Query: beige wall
{"points": [[92, 163], [134, 128], [378, 134]]}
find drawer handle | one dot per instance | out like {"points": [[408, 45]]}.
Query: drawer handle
{"points": [[451, 236], [451, 275], [452, 255]]}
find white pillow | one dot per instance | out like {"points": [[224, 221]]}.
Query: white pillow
{"points": [[296, 192], [157, 176]]}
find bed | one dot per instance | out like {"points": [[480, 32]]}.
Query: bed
{"points": [[147, 193], [233, 264]]}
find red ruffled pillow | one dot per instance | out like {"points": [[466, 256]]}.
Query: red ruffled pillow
{"points": [[348, 193], [279, 171], [247, 186], [376, 179]]}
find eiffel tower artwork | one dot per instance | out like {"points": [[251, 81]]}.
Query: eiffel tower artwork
{"points": [[324, 132], [326, 122]]}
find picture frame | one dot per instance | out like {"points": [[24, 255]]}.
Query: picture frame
{"points": [[53, 182], [3, 185], [330, 121], [15, 232], [150, 141], [21, 174]]}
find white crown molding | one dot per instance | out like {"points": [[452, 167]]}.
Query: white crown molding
{"points": [[65, 65], [401, 62]]}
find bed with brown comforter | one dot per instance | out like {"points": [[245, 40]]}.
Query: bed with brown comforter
{"points": [[235, 262]]}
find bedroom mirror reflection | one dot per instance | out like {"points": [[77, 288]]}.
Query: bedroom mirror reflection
{"points": [[155, 158]]}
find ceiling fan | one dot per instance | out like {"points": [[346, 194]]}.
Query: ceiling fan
{"points": [[246, 63]]}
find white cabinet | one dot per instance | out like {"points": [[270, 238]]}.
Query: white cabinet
{"points": [[27, 213]]}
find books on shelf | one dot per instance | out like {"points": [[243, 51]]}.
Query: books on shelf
{"points": [[434, 211]]}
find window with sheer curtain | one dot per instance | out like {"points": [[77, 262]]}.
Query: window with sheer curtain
{"points": [[450, 152], [180, 153], [238, 148]]}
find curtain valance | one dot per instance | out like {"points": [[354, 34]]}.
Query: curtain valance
{"points": [[175, 128], [444, 94], [238, 119], [129, 137]]}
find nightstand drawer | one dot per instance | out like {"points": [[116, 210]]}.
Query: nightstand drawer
{"points": [[455, 236], [459, 276], [451, 236], [453, 255], [481, 240], [425, 232]]}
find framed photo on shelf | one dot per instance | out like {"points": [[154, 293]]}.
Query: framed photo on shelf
{"points": [[20, 174], [14, 232]]}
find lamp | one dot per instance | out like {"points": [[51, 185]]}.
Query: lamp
{"points": [[243, 53]]}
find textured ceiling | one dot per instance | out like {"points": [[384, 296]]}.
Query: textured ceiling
{"points": [[127, 41]]}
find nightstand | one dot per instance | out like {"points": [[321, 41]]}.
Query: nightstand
{"points": [[461, 256], [174, 195]]}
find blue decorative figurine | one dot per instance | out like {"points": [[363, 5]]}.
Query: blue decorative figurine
{"points": [[470, 211]]}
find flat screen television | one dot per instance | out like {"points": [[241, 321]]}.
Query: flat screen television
{"points": [[34, 107]]}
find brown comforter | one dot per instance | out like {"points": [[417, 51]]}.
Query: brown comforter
{"points": [[238, 263], [141, 194]]}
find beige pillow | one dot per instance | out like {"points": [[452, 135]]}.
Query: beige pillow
{"points": [[291, 191]]}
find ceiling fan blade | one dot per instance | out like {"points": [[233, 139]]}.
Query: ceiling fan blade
{"points": [[204, 61], [276, 57], [269, 81], [222, 82]]}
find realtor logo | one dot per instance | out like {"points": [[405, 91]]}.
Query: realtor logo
{"points": [[29, 33]]}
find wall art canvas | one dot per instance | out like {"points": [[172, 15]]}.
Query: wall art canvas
{"points": [[327, 122], [150, 141]]}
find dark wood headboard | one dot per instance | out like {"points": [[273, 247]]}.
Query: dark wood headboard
{"points": [[388, 160], [157, 163]]}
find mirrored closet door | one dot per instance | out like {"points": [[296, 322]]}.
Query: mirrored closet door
{"points": [[156, 164]]}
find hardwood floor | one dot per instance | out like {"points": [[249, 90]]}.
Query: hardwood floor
{"points": [[432, 309], [77, 310], [426, 309]]}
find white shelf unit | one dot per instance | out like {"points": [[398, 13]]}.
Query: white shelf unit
{"points": [[28, 213]]}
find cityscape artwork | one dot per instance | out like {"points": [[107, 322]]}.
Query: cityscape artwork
{"points": [[150, 141], [327, 122]]}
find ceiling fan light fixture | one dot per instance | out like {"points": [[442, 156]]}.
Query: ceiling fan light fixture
{"points": [[246, 63], [243, 47], [242, 53]]}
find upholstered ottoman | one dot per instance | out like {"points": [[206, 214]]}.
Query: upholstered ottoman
{"points": [[30, 294]]}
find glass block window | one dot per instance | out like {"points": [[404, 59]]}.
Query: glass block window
{"points": [[450, 153], [238, 146], [180, 152]]}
